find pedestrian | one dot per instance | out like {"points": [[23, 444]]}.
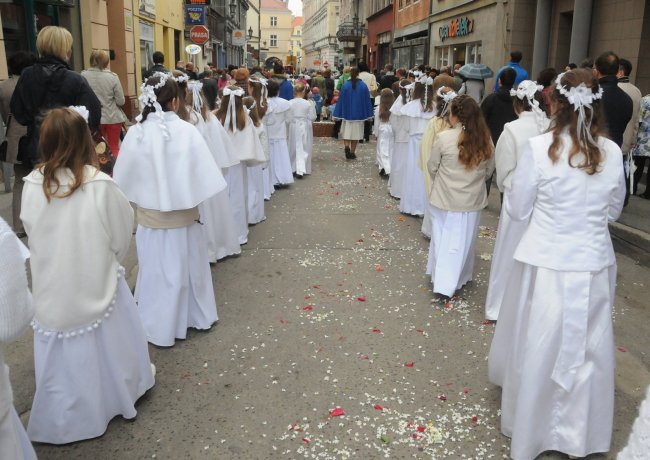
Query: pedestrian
{"points": [[180, 66], [301, 138], [546, 78], [50, 83], [345, 76], [158, 65], [319, 82], [389, 77], [570, 66], [210, 89], [417, 112], [617, 105], [241, 78], [15, 131], [222, 79], [286, 89], [521, 73], [16, 311], [166, 169], [255, 178], [318, 100], [207, 71], [277, 117], [461, 159], [371, 82], [553, 348], [498, 110], [630, 133], [354, 107], [243, 136], [90, 349], [383, 130], [641, 149], [473, 87], [257, 85], [216, 214], [108, 89], [528, 101], [329, 87], [400, 75], [399, 124], [189, 70]]}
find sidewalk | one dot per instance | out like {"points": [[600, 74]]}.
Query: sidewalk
{"points": [[634, 224]]}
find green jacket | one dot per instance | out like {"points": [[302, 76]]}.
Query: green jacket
{"points": [[342, 79]]}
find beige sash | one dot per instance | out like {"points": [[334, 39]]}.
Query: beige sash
{"points": [[170, 219]]}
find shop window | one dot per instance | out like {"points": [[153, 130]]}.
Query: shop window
{"points": [[442, 56], [473, 53], [418, 54], [274, 40]]}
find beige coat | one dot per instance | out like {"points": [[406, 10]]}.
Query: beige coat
{"points": [[108, 89], [455, 188], [629, 136], [15, 130]]}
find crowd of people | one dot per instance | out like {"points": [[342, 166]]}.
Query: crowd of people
{"points": [[209, 150]]}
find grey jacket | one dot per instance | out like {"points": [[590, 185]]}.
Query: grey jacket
{"points": [[108, 89], [14, 129]]}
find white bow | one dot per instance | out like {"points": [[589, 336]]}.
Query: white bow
{"points": [[148, 98], [527, 90], [197, 101], [447, 97], [264, 82], [81, 110], [580, 97], [231, 114]]}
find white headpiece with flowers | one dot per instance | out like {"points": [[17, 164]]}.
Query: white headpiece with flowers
{"points": [[148, 98], [231, 114], [264, 82], [81, 110], [447, 97], [527, 90], [581, 97], [195, 88], [426, 81]]}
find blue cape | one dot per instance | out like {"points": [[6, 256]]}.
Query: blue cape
{"points": [[354, 103]]}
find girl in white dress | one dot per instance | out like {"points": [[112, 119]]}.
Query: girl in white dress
{"points": [[166, 169], [215, 213], [301, 133], [553, 348], [532, 122], [16, 311], [461, 159], [256, 172], [90, 351], [257, 88], [277, 116], [401, 142], [383, 130], [417, 113]]}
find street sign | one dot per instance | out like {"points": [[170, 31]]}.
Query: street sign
{"points": [[199, 35], [192, 49], [194, 15]]}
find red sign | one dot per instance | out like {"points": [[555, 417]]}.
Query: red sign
{"points": [[199, 35]]}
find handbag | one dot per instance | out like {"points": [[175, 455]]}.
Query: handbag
{"points": [[104, 154]]}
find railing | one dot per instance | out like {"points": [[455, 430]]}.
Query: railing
{"points": [[349, 31]]}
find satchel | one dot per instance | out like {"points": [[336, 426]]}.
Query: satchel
{"points": [[104, 154]]}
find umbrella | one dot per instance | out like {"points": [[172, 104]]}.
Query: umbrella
{"points": [[475, 71]]}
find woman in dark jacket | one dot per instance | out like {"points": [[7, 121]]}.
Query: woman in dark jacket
{"points": [[329, 87], [50, 83]]}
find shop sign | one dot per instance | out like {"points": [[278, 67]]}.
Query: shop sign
{"points": [[192, 49], [194, 15], [128, 20], [197, 2], [146, 31], [199, 35], [459, 27], [239, 37], [148, 8]]}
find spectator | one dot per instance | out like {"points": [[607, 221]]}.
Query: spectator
{"points": [[189, 70], [210, 89], [345, 76], [207, 72], [158, 65], [472, 87], [329, 87], [180, 66], [570, 66], [522, 74], [318, 101], [108, 89], [389, 77], [16, 63], [641, 150], [623, 76], [319, 82], [587, 63], [286, 89], [617, 105], [546, 78], [401, 75], [50, 83], [371, 82], [222, 79]]}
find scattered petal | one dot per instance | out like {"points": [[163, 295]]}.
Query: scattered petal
{"points": [[361, 299], [409, 364], [442, 397], [308, 308], [378, 407], [337, 412]]}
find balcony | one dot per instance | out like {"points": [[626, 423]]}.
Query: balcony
{"points": [[351, 32]]}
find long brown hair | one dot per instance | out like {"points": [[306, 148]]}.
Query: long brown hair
{"points": [[566, 117], [253, 113], [239, 109], [474, 142], [402, 90], [354, 76], [65, 142], [425, 94], [258, 95], [164, 95], [386, 99], [182, 111]]}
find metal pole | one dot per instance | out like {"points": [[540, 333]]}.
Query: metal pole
{"points": [[259, 33]]}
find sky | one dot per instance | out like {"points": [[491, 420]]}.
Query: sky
{"points": [[296, 7]]}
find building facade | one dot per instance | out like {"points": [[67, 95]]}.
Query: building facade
{"points": [[380, 33], [352, 32], [295, 45], [319, 43], [276, 19], [411, 38]]}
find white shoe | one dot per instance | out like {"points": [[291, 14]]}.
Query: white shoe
{"points": [[153, 369]]}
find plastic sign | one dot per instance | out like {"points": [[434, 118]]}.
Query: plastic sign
{"points": [[459, 27], [192, 49], [199, 35]]}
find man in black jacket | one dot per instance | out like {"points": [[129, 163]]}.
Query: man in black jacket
{"points": [[389, 77], [617, 105], [158, 61]]}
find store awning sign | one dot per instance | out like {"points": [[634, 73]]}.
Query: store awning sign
{"points": [[194, 15], [459, 27]]}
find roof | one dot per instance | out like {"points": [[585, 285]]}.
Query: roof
{"points": [[297, 21], [275, 5]]}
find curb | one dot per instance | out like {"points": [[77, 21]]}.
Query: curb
{"points": [[631, 235]]}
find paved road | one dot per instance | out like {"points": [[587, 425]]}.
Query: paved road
{"points": [[328, 307]]}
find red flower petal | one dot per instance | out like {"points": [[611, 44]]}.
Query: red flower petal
{"points": [[408, 364], [378, 407], [337, 412], [442, 397], [448, 305], [306, 440], [307, 297], [282, 321], [361, 299], [365, 357], [379, 268], [466, 390], [308, 307], [474, 418], [316, 286], [622, 349], [415, 436], [419, 330], [376, 330], [421, 428]]}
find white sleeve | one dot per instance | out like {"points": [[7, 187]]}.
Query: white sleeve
{"points": [[116, 215], [505, 157], [617, 199], [523, 191]]}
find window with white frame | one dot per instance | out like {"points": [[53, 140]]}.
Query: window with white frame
{"points": [[443, 56], [274, 21], [473, 53], [274, 40]]}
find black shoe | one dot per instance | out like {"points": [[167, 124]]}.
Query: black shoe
{"points": [[298, 176], [348, 153], [382, 172], [353, 156]]}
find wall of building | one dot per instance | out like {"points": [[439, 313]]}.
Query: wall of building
{"points": [[377, 25], [410, 13], [282, 31]]}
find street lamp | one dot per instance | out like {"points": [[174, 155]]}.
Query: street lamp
{"points": [[250, 32]]}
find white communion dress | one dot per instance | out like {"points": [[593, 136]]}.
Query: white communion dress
{"points": [[301, 134], [383, 130], [276, 119], [90, 350], [400, 149], [553, 348], [256, 184], [166, 169], [509, 148]]}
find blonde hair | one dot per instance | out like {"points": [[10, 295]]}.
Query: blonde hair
{"points": [[54, 41], [99, 59]]}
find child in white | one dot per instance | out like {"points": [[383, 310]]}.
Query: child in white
{"points": [[90, 351], [417, 112], [401, 146], [384, 131], [257, 89], [276, 119], [301, 137], [532, 122], [16, 311], [166, 169], [256, 172]]}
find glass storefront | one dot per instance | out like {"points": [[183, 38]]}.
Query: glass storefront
{"points": [[462, 53]]}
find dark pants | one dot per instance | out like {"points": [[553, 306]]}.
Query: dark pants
{"points": [[640, 163], [367, 129], [488, 184], [337, 129], [20, 171]]}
